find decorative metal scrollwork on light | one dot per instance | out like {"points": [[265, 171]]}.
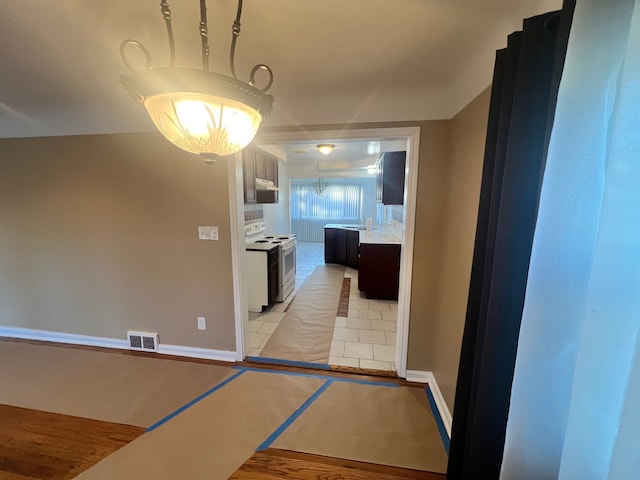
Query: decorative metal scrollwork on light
{"points": [[202, 112]]}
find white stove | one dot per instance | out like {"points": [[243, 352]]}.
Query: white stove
{"points": [[271, 266], [255, 237]]}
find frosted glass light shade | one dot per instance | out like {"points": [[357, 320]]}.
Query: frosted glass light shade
{"points": [[203, 124], [202, 112]]}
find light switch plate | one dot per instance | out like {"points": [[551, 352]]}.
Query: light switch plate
{"points": [[207, 233], [204, 233]]}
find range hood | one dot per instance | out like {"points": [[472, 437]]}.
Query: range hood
{"points": [[262, 184], [266, 191]]}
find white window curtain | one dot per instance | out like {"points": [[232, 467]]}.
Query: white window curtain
{"points": [[310, 211], [575, 402]]}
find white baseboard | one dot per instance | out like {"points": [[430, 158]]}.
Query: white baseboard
{"points": [[74, 339], [60, 337], [195, 352], [418, 376], [427, 377]]}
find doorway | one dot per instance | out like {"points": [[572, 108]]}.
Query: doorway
{"points": [[410, 137]]}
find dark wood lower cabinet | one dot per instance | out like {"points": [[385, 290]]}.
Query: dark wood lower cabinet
{"points": [[353, 249], [274, 274], [341, 246], [379, 270], [330, 245]]}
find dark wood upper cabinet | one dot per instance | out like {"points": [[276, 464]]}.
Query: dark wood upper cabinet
{"points": [[258, 164], [271, 170], [249, 175], [390, 178], [261, 167]]}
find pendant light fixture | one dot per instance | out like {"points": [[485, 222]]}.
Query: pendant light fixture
{"points": [[319, 186], [325, 148], [202, 112]]}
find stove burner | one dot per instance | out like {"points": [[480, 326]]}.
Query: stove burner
{"points": [[276, 241], [262, 241], [269, 236], [283, 238]]}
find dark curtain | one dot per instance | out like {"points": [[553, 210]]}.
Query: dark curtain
{"points": [[523, 98]]}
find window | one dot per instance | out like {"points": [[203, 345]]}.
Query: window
{"points": [[310, 211], [337, 202]]}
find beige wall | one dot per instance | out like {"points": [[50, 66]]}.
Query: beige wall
{"points": [[434, 151], [449, 176], [98, 235], [462, 193]]}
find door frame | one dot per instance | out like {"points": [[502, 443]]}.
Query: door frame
{"points": [[236, 207]]}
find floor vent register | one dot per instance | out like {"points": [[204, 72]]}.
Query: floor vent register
{"points": [[143, 341]]}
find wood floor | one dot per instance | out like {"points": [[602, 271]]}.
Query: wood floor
{"points": [[273, 464], [42, 445]]}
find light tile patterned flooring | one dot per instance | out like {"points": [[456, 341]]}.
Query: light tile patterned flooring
{"points": [[366, 338]]}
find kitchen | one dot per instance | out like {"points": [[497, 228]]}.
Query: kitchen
{"points": [[310, 191]]}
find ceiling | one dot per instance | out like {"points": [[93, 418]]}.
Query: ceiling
{"points": [[335, 62], [352, 158]]}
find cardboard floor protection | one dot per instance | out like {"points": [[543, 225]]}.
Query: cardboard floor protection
{"points": [[214, 437], [306, 331], [384, 425], [104, 386]]}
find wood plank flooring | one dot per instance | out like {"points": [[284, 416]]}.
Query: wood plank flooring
{"points": [[42, 445], [274, 464]]}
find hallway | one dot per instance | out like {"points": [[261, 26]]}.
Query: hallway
{"points": [[364, 339]]}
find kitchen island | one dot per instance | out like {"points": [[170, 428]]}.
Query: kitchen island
{"points": [[375, 253]]}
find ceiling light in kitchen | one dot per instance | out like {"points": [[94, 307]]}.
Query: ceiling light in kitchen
{"points": [[202, 112], [325, 148]]}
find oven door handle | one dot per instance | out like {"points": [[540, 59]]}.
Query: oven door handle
{"points": [[286, 249]]}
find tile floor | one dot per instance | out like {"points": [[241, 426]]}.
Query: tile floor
{"points": [[365, 338]]}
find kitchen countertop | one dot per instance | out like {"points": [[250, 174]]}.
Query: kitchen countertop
{"points": [[344, 226], [376, 235], [260, 247], [379, 236]]}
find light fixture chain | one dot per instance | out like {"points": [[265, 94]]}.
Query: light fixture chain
{"points": [[166, 15], [176, 99], [235, 33], [204, 32]]}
